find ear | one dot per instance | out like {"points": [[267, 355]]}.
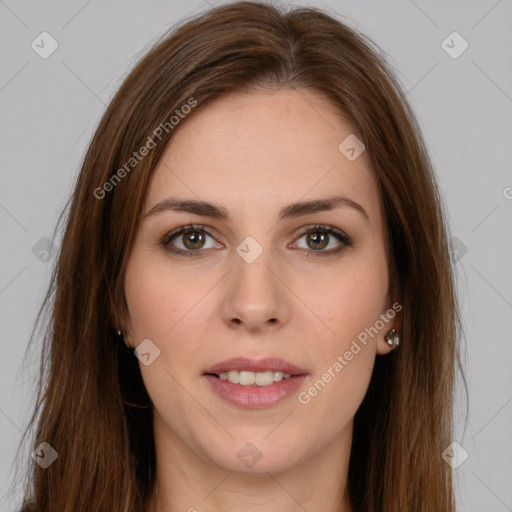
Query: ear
{"points": [[126, 340], [392, 319], [126, 335], [122, 323], [121, 336]]}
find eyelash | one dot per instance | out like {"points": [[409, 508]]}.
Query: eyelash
{"points": [[346, 241]]}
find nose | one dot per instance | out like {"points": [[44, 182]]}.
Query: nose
{"points": [[256, 295]]}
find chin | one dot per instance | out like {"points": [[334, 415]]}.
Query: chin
{"points": [[252, 456]]}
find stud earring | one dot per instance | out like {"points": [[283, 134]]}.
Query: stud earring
{"points": [[392, 338]]}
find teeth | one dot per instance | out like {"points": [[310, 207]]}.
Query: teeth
{"points": [[246, 378], [234, 376]]}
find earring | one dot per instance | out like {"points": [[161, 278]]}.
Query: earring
{"points": [[120, 335], [392, 338]]}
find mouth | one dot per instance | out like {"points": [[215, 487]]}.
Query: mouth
{"points": [[250, 372], [254, 384]]}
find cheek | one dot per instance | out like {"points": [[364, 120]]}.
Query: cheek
{"points": [[333, 394], [167, 306], [349, 300], [159, 306], [157, 298], [350, 305]]}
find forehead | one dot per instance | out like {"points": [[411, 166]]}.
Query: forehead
{"points": [[262, 150]]}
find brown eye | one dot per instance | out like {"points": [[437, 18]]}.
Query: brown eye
{"points": [[188, 241], [320, 237], [193, 240], [319, 241]]}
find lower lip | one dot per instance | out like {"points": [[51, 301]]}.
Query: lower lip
{"points": [[253, 397]]}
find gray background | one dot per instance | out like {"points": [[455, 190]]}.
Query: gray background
{"points": [[50, 108]]}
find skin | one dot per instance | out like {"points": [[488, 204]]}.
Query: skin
{"points": [[254, 153]]}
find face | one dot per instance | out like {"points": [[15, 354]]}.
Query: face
{"points": [[258, 279]]}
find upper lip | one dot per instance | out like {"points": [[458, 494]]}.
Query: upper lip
{"points": [[267, 364]]}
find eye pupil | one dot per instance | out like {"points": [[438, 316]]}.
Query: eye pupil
{"points": [[197, 244], [322, 238]]}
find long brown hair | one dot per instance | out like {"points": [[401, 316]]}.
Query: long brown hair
{"points": [[92, 407]]}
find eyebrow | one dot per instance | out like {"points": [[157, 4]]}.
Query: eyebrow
{"points": [[293, 210]]}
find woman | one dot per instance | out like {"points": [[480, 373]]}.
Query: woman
{"points": [[253, 306]]}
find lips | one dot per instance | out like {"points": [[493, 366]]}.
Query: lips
{"points": [[262, 365]]}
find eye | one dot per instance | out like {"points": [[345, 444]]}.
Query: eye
{"points": [[192, 239], [319, 237]]}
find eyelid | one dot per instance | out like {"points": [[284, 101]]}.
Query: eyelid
{"points": [[325, 227]]}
